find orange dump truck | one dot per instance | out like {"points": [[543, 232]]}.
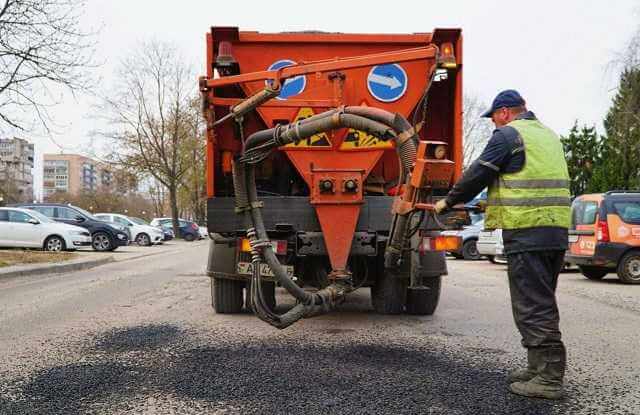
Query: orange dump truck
{"points": [[325, 153]]}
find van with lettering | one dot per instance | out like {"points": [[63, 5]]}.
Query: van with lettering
{"points": [[605, 235]]}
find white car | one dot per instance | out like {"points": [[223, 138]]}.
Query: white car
{"points": [[490, 245], [24, 228], [141, 233]]}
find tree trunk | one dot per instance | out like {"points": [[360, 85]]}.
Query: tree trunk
{"points": [[173, 200]]}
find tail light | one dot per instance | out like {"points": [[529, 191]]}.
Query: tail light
{"points": [[440, 243], [194, 226], [279, 246], [602, 231], [447, 59]]}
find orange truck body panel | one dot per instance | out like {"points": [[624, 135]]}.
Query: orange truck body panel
{"points": [[342, 154]]}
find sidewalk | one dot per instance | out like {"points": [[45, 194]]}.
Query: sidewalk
{"points": [[87, 258]]}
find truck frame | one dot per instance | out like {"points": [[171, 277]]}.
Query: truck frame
{"points": [[315, 176]]}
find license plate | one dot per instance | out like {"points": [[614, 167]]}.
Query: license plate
{"points": [[573, 239], [246, 268]]}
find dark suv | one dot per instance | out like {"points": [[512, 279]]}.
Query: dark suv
{"points": [[104, 236]]}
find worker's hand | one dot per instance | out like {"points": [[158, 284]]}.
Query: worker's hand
{"points": [[441, 206]]}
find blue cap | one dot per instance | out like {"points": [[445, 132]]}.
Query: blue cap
{"points": [[506, 99]]}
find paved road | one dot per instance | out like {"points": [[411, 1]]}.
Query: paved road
{"points": [[139, 336]]}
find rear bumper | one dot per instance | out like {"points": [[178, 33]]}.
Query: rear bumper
{"points": [[486, 248], [607, 255], [295, 212]]}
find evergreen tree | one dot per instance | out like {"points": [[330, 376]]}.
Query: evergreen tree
{"points": [[620, 164], [582, 151]]}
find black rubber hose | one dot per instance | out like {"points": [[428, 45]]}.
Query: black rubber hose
{"points": [[263, 136], [270, 257], [299, 131]]}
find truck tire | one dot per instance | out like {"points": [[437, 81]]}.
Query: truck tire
{"points": [[593, 273], [423, 300], [268, 292], [629, 268], [389, 294], [227, 295]]}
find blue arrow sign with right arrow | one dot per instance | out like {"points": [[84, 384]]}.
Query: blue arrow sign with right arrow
{"points": [[387, 83]]}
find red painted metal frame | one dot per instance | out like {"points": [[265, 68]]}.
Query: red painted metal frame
{"points": [[427, 52]]}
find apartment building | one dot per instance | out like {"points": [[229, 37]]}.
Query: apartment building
{"points": [[73, 173], [16, 169]]}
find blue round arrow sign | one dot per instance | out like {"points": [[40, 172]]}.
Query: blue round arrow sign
{"points": [[387, 83], [292, 86]]}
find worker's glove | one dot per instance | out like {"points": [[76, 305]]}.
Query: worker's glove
{"points": [[441, 206]]}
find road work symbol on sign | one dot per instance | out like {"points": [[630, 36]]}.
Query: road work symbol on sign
{"points": [[292, 86], [356, 139], [387, 83], [316, 140]]}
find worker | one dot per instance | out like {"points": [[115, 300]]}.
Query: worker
{"points": [[524, 167]]}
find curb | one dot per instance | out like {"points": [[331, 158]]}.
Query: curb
{"points": [[56, 268]]}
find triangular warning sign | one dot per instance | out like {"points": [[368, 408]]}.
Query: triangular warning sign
{"points": [[356, 139], [316, 140]]}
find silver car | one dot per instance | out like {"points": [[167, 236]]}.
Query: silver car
{"points": [[469, 235]]}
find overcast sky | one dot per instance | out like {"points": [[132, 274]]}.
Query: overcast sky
{"points": [[556, 53]]}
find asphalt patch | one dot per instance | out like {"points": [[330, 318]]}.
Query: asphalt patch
{"points": [[138, 338], [229, 373]]}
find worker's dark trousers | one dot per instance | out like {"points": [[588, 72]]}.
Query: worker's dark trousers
{"points": [[533, 277]]}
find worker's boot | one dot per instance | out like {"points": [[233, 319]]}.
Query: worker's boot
{"points": [[524, 375], [547, 383]]}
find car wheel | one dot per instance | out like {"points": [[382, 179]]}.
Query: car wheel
{"points": [[629, 268], [189, 237], [593, 273], [54, 244], [470, 250], [143, 239], [101, 242]]}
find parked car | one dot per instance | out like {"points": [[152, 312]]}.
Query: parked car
{"points": [[189, 231], [605, 235], [23, 228], [168, 232], [203, 232], [117, 225], [104, 236], [141, 233], [490, 245], [469, 235]]}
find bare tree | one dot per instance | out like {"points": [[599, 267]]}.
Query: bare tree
{"points": [[192, 195], [41, 46], [150, 108], [476, 130]]}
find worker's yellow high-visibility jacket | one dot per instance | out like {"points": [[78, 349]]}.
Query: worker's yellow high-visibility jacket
{"points": [[538, 195]]}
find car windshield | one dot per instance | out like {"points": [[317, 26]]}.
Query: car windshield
{"points": [[137, 221], [42, 218], [87, 214]]}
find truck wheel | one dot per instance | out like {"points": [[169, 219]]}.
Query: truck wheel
{"points": [[629, 268], [593, 273], [268, 292], [389, 294], [226, 295], [470, 250], [423, 300]]}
